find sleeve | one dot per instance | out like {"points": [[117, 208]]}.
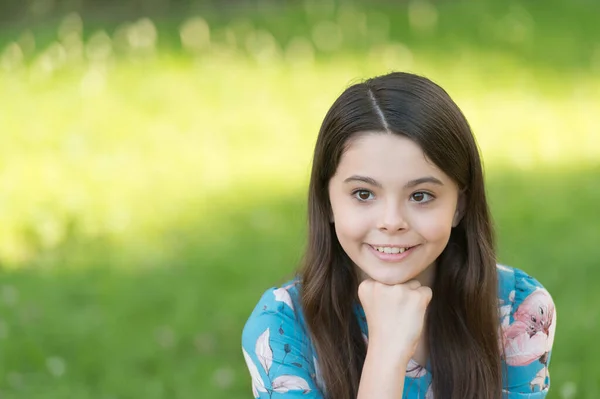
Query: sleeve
{"points": [[277, 350], [528, 335]]}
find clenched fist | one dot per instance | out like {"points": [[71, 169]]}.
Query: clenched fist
{"points": [[395, 316]]}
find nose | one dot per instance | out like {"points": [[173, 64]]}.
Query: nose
{"points": [[392, 218]]}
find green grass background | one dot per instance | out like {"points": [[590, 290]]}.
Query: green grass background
{"points": [[149, 193]]}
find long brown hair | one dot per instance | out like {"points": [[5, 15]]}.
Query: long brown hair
{"points": [[462, 319]]}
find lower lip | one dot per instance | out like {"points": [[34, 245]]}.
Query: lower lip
{"points": [[392, 257]]}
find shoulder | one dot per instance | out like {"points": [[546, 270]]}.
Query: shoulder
{"points": [[276, 347], [519, 294], [528, 324], [283, 301], [276, 305], [512, 279]]}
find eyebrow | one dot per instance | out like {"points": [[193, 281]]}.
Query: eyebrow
{"points": [[412, 183]]}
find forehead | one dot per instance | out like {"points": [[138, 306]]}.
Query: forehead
{"points": [[381, 155]]}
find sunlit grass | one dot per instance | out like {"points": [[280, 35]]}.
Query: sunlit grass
{"points": [[156, 135]]}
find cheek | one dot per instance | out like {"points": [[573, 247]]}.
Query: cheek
{"points": [[351, 223], [435, 226]]}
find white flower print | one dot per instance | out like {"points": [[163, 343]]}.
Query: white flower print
{"points": [[414, 370], [282, 295], [263, 351], [318, 376], [540, 379], [284, 383], [257, 383]]}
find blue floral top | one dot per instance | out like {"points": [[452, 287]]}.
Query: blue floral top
{"points": [[283, 363]]}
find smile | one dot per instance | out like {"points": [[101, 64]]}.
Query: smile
{"points": [[392, 250], [392, 253]]}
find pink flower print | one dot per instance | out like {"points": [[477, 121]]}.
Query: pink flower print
{"points": [[531, 335], [415, 370]]}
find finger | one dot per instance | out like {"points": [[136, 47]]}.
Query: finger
{"points": [[426, 293], [363, 288], [412, 284]]}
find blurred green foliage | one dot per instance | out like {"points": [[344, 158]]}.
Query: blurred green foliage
{"points": [[154, 161]]}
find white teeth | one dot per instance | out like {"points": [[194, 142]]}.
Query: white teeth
{"points": [[391, 250]]}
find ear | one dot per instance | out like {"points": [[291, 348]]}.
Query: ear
{"points": [[460, 208]]}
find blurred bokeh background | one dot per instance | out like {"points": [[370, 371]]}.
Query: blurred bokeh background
{"points": [[154, 157]]}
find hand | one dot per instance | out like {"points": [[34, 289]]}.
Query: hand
{"points": [[395, 316]]}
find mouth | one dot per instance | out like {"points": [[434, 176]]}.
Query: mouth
{"points": [[392, 249], [392, 253]]}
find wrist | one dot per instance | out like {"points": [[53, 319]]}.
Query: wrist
{"points": [[384, 355]]}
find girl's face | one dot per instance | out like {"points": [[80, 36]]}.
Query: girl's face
{"points": [[392, 208]]}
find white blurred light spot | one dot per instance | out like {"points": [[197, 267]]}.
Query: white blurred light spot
{"points": [[263, 219], [517, 26], [230, 38], [72, 23], [262, 45], [12, 57], [224, 377], [41, 7], [142, 35], [568, 390], [120, 40], [195, 34], [300, 52], [56, 366], [99, 47], [93, 82], [118, 220], [9, 294], [327, 36], [396, 56], [75, 146], [50, 231], [53, 58], [15, 380], [73, 45], [205, 343], [165, 336], [56, 55], [422, 15]]}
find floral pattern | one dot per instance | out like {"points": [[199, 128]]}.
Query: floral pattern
{"points": [[280, 383], [282, 361]]}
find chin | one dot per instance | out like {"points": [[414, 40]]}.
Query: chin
{"points": [[389, 279]]}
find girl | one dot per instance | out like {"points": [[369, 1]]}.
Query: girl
{"points": [[400, 295]]}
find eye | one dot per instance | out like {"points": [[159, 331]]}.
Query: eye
{"points": [[363, 195], [421, 197]]}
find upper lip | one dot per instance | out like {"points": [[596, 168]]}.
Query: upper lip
{"points": [[392, 245]]}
